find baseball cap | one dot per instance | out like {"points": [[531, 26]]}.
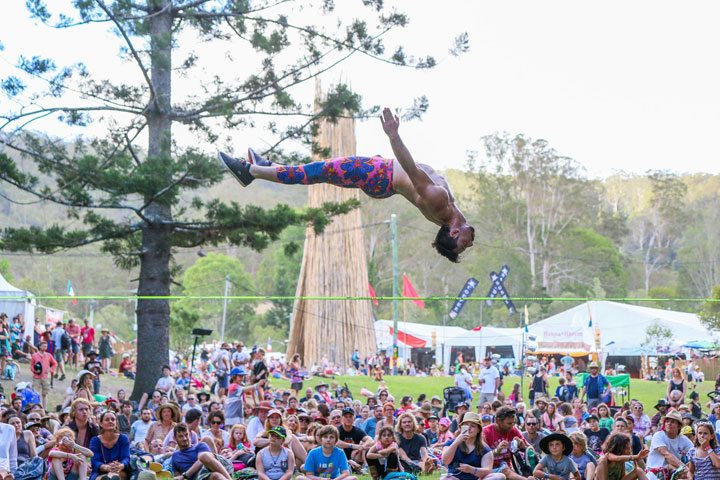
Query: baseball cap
{"points": [[486, 418], [348, 410], [279, 431]]}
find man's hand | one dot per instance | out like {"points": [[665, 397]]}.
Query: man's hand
{"points": [[390, 123]]}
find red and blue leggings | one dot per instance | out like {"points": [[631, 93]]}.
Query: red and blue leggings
{"points": [[373, 175]]}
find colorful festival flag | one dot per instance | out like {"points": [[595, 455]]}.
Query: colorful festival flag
{"points": [[409, 291], [269, 346], [527, 319], [71, 293], [372, 294]]}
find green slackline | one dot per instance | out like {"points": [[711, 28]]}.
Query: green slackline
{"points": [[280, 297]]}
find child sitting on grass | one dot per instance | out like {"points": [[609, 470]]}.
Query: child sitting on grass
{"points": [[556, 465], [618, 450], [65, 463]]}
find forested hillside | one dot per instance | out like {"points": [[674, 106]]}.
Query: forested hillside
{"points": [[654, 235]]}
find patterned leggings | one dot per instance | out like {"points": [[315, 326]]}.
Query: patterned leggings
{"points": [[373, 175]]}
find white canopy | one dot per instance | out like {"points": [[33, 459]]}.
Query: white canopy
{"points": [[17, 305], [484, 338], [622, 328], [415, 334]]}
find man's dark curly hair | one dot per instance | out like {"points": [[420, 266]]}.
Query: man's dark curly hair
{"points": [[445, 244]]}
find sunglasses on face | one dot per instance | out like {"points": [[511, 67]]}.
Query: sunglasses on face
{"points": [[531, 423], [215, 423]]}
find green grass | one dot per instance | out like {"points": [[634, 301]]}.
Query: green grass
{"points": [[648, 392]]}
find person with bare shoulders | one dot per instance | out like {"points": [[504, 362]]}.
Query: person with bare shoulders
{"points": [[378, 177]]}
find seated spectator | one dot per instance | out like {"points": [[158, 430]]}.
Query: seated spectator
{"points": [[111, 450], [585, 461], [68, 460], [413, 446], [275, 462], [326, 461], [382, 458], [617, 451], [467, 456], [556, 464], [197, 462], [596, 436]]}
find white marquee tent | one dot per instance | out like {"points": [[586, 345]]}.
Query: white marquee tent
{"points": [[622, 329], [14, 306], [414, 335], [484, 338]]}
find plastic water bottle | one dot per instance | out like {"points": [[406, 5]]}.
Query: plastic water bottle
{"points": [[514, 446]]}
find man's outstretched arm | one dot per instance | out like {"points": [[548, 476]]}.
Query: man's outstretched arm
{"points": [[390, 124]]}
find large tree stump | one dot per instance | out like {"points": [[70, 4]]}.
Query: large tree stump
{"points": [[333, 264]]}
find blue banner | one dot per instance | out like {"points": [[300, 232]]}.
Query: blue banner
{"points": [[498, 289], [464, 293]]}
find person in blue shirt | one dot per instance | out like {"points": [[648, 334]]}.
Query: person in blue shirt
{"points": [[370, 424], [326, 461], [197, 462], [594, 386], [111, 450]]}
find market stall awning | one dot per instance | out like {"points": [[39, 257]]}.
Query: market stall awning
{"points": [[409, 340]]}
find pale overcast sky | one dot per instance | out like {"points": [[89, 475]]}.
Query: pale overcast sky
{"points": [[614, 84]]}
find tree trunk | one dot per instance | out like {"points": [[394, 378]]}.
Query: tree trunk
{"points": [[333, 264], [153, 316]]}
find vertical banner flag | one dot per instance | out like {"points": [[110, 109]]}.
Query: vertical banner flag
{"points": [[71, 293], [464, 293], [589, 315], [372, 294], [527, 319], [409, 291], [269, 346], [498, 289]]}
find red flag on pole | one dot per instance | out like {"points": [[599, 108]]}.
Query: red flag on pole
{"points": [[372, 294], [477, 329], [409, 291]]}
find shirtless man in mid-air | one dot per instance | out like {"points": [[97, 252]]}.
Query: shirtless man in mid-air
{"points": [[379, 178]]}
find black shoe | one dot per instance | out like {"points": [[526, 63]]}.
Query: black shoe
{"points": [[62, 377], [239, 168], [256, 159]]}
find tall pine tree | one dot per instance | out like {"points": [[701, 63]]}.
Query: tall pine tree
{"points": [[128, 197]]}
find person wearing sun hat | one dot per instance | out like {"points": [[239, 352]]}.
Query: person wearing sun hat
{"points": [[667, 445], [467, 456], [257, 424], [556, 464]]}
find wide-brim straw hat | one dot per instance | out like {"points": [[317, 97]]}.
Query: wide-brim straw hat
{"points": [[567, 443], [672, 415], [175, 411], [426, 408]]}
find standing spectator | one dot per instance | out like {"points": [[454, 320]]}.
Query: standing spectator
{"points": [[93, 365], [259, 367], [43, 365], [240, 357], [489, 380], [5, 350], [463, 380], [59, 352], [539, 386], [295, 373], [221, 361], [594, 386], [676, 389], [87, 333], [105, 345], [73, 329]]}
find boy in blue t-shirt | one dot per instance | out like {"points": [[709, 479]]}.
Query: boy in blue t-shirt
{"points": [[326, 461]]}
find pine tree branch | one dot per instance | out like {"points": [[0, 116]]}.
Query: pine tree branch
{"points": [[146, 75], [164, 190], [69, 240], [44, 112]]}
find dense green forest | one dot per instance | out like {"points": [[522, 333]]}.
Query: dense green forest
{"points": [[654, 235]]}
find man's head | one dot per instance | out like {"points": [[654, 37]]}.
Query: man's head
{"points": [[594, 369], [450, 243], [146, 415], [487, 361], [378, 412], [348, 417], [166, 370], [192, 418], [87, 322], [532, 425], [182, 436], [335, 418], [505, 419]]}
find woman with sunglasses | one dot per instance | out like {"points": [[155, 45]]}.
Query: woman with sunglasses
{"points": [[642, 422], [388, 419]]}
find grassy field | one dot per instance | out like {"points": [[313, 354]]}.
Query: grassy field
{"points": [[648, 392]]}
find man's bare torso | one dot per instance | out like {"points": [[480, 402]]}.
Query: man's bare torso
{"points": [[436, 203]]}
